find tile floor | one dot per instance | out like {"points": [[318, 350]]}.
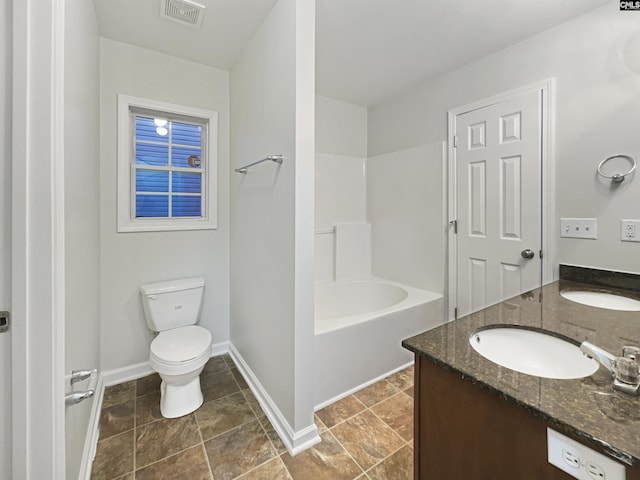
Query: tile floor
{"points": [[365, 436]]}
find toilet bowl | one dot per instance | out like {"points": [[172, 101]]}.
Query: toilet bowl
{"points": [[181, 349], [178, 356]]}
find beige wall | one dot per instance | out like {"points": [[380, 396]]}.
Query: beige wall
{"points": [[594, 60], [131, 259]]}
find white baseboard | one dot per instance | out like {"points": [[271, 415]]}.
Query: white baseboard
{"points": [[320, 406], [125, 374], [219, 348], [139, 370], [294, 441], [93, 431]]}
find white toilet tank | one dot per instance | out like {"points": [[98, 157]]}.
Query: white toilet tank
{"points": [[172, 304]]}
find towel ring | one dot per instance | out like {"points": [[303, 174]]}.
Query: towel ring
{"points": [[617, 177]]}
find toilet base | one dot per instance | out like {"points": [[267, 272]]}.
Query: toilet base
{"points": [[179, 400]]}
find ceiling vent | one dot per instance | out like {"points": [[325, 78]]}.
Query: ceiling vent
{"points": [[185, 12]]}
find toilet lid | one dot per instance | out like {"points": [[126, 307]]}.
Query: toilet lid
{"points": [[181, 344]]}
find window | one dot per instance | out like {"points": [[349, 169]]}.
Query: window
{"points": [[167, 166]]}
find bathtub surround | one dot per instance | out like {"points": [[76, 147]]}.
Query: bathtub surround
{"points": [[407, 215], [340, 198], [353, 186], [340, 190], [352, 250], [324, 265]]}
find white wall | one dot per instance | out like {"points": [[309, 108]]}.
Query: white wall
{"points": [[82, 211], [341, 128], [5, 234], [272, 94], [594, 60], [404, 206], [131, 259]]}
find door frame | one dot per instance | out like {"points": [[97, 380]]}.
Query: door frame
{"points": [[37, 238], [547, 160]]}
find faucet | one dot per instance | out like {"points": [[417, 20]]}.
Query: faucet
{"points": [[626, 368]]}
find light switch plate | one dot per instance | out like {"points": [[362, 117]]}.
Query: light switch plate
{"points": [[580, 461], [579, 228]]}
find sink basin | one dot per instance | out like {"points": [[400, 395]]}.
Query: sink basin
{"points": [[602, 300], [532, 352]]}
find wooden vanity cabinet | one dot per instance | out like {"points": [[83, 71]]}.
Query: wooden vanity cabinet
{"points": [[465, 432]]}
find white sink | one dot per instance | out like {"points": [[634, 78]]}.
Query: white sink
{"points": [[531, 352], [602, 300]]}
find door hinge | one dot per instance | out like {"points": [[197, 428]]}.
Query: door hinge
{"points": [[455, 141], [454, 224], [455, 313], [540, 253]]}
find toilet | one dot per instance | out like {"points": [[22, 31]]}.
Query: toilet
{"points": [[181, 349]]}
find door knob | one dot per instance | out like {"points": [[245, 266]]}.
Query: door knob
{"points": [[527, 253]]}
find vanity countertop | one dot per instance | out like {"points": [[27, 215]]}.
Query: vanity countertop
{"points": [[588, 408]]}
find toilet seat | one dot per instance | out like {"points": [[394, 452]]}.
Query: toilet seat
{"points": [[181, 347]]}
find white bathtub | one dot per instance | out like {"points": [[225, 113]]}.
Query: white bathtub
{"points": [[359, 327]]}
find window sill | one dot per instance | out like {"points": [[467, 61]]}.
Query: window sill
{"points": [[163, 225]]}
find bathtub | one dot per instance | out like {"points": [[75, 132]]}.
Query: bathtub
{"points": [[359, 327]]}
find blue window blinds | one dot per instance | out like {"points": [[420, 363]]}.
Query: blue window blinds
{"points": [[168, 168]]}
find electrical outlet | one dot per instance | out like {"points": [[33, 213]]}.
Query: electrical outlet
{"points": [[630, 230], [579, 228], [594, 470], [571, 458], [580, 461]]}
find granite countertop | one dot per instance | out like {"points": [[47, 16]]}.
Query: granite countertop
{"points": [[588, 408]]}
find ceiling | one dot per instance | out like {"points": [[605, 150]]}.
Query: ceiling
{"points": [[367, 51], [226, 27]]}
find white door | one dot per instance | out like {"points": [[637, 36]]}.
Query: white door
{"points": [[498, 158], [5, 241]]}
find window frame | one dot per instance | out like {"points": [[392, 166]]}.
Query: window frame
{"points": [[128, 107]]}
